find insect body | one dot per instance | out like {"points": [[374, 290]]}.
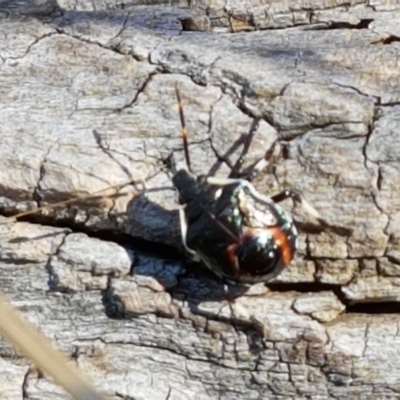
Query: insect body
{"points": [[238, 233]]}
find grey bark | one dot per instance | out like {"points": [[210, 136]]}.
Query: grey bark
{"points": [[87, 101]]}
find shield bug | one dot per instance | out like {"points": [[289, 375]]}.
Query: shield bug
{"points": [[238, 233]]}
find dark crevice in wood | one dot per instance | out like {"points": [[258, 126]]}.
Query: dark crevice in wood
{"points": [[363, 24], [304, 287], [365, 307], [158, 250], [392, 259], [386, 307], [169, 253], [25, 385], [309, 287], [389, 104], [379, 179], [388, 40]]}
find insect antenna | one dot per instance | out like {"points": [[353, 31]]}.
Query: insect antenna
{"points": [[184, 135], [184, 132], [91, 196], [235, 169]]}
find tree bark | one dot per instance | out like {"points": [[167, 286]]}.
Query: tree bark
{"points": [[87, 103]]}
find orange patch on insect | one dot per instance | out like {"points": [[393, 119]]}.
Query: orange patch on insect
{"points": [[280, 239], [231, 253], [283, 244], [184, 133]]}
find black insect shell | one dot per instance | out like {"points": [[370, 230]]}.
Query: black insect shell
{"points": [[239, 236]]}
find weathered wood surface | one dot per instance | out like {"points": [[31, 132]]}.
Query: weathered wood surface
{"points": [[87, 101]]}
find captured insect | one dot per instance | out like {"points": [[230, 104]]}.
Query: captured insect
{"points": [[239, 234]]}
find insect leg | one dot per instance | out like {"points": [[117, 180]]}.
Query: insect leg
{"points": [[235, 173], [243, 184], [293, 194], [297, 197], [212, 180], [183, 225]]}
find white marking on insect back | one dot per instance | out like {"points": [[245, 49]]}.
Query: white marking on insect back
{"points": [[217, 194], [271, 254]]}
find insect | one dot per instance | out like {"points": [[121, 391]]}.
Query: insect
{"points": [[239, 234]]}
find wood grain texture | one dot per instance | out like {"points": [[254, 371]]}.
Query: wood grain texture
{"points": [[87, 101]]}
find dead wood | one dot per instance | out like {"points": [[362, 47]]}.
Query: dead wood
{"points": [[87, 101]]}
